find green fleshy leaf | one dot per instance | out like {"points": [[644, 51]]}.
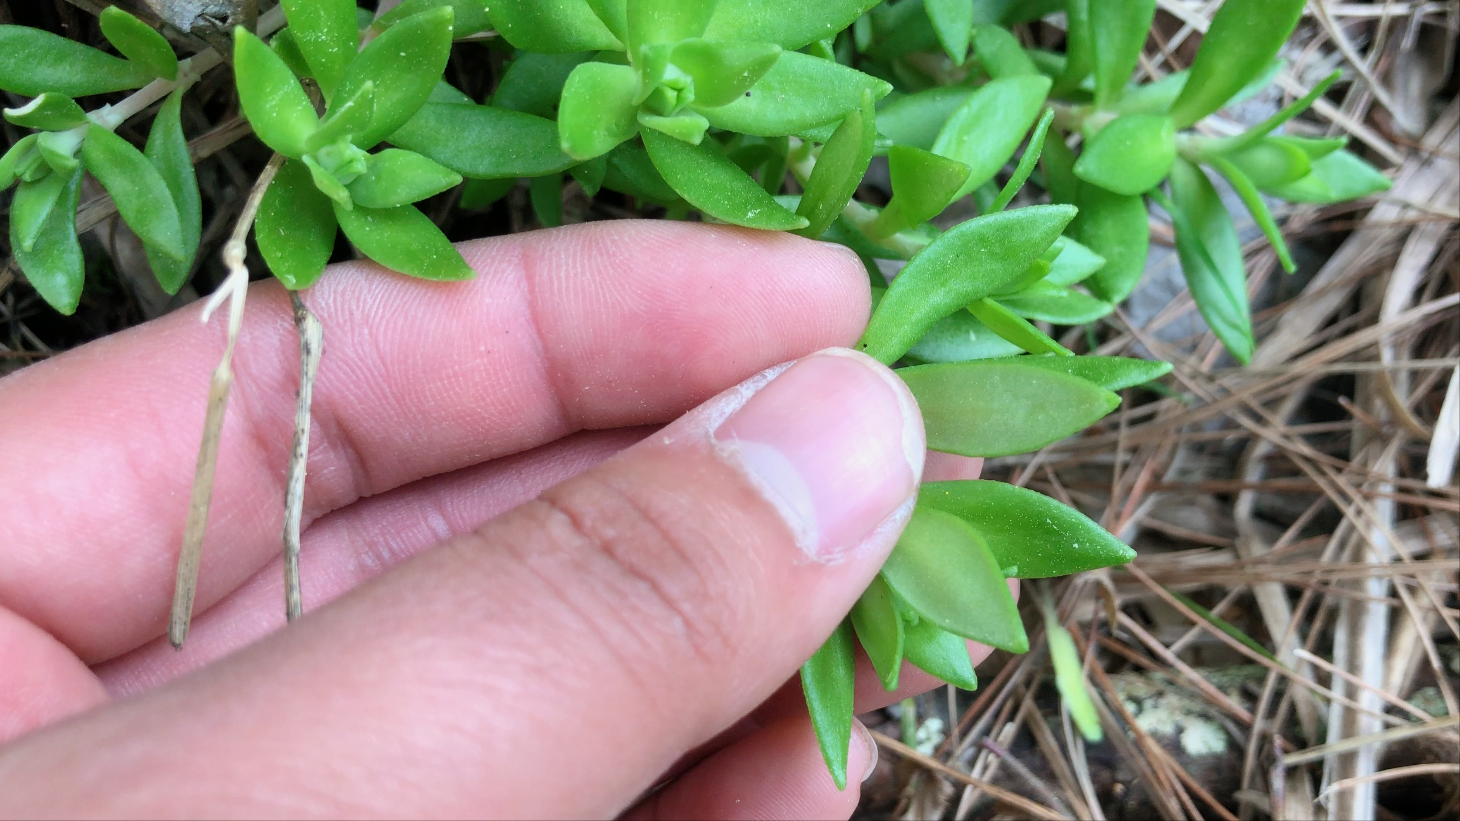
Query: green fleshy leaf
{"points": [[963, 265], [1118, 30], [1152, 98], [1288, 112], [1074, 265], [1116, 227], [1002, 408], [799, 93], [788, 25], [631, 172], [546, 195], [829, 680], [397, 177], [284, 45], [139, 191], [1223, 625], [296, 227], [953, 21], [327, 36], [879, 629], [1026, 163], [484, 142], [1079, 48], [615, 15], [985, 132], [1336, 177], [938, 652], [723, 72], [923, 184], [598, 110], [944, 571], [1314, 149], [1069, 677], [54, 264], [839, 170], [590, 175], [533, 83], [651, 22], [58, 150], [1037, 271], [471, 15], [916, 120], [1273, 162], [687, 126], [478, 194], [960, 338], [1000, 53], [1022, 527], [1061, 306], [167, 149], [1240, 43], [31, 209], [271, 97], [1112, 373], [1058, 162], [48, 112], [404, 64], [38, 61], [1015, 328], [1130, 155], [715, 185], [405, 240], [347, 118], [19, 159], [551, 26], [1211, 257], [1247, 192], [138, 42], [328, 184]]}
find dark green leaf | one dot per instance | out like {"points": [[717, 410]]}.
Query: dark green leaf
{"points": [[287, 48], [1041, 536], [1000, 53], [916, 119], [960, 267], [986, 130], [54, 264], [789, 25], [1001, 408], [710, 182], [272, 99], [666, 21], [167, 149], [405, 240], [839, 170], [1015, 328], [397, 177], [1240, 43], [1112, 373], [140, 193], [1336, 177], [37, 61], [1223, 625], [326, 35], [483, 142], [1044, 302], [936, 651], [598, 110], [1075, 264], [551, 26], [1026, 163], [534, 83], [1079, 47], [953, 20], [590, 175], [829, 680], [923, 184], [478, 194], [48, 112], [138, 42], [1211, 257], [799, 93], [405, 64], [1130, 155], [1250, 197], [944, 571], [630, 171], [723, 72], [346, 119], [879, 628], [31, 209], [1116, 227], [1118, 31], [1058, 162], [471, 15], [296, 227]]}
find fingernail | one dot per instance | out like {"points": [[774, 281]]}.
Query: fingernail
{"points": [[861, 731], [835, 443]]}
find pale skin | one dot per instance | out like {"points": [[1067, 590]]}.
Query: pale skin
{"points": [[525, 596]]}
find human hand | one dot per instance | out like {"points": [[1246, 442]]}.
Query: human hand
{"points": [[590, 603]]}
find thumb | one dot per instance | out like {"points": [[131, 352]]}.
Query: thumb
{"points": [[626, 616]]}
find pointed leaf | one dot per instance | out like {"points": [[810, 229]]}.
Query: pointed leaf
{"points": [[1130, 155], [54, 264], [1273, 162], [31, 208], [38, 61], [346, 119], [1000, 53], [960, 338], [167, 149], [1211, 257], [598, 110], [1043, 302], [1118, 31], [296, 227], [1336, 177], [397, 177], [284, 45], [1250, 197], [58, 150], [916, 119], [923, 184], [405, 240], [1240, 43], [839, 170], [687, 126], [17, 159], [141, 195], [1069, 678], [1075, 264], [789, 25], [405, 64], [800, 92], [1001, 408], [961, 266], [710, 182], [48, 112], [631, 172], [1112, 373], [666, 21], [1116, 227], [326, 34], [484, 142], [533, 83], [1288, 112], [138, 42], [723, 72], [1015, 328], [328, 184], [944, 571], [471, 15], [1026, 163], [938, 652], [984, 133], [614, 14], [879, 628], [953, 20], [829, 680], [271, 97], [551, 26]]}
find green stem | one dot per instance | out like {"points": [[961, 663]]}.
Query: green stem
{"points": [[910, 722]]}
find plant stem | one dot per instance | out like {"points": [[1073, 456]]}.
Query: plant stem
{"points": [[801, 161], [910, 722], [311, 343], [234, 289]]}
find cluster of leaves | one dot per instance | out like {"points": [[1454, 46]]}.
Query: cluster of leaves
{"points": [[763, 114]]}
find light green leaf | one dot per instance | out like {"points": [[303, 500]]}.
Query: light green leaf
{"points": [[53, 263], [1044, 302], [19, 159], [395, 177], [651, 22], [687, 126], [723, 72], [141, 195], [48, 112], [1211, 257], [1001, 408], [31, 209], [1112, 373], [551, 26], [1022, 527], [138, 42], [296, 227], [984, 133], [471, 15], [598, 110], [789, 25], [1015, 328], [1000, 53], [1250, 197], [953, 20], [800, 92], [271, 97], [715, 185], [963, 265], [326, 35], [404, 64], [614, 14], [38, 61], [1118, 30], [960, 338], [1026, 163], [1069, 678], [167, 149], [405, 240], [534, 83], [1243, 38], [1257, 132], [1075, 264], [1130, 155], [1116, 227], [879, 628], [1273, 162], [944, 571], [923, 184], [829, 680], [1337, 177], [839, 170], [916, 119], [936, 651], [328, 184], [1152, 98], [1079, 47], [484, 142], [346, 119], [287, 48], [58, 150]]}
